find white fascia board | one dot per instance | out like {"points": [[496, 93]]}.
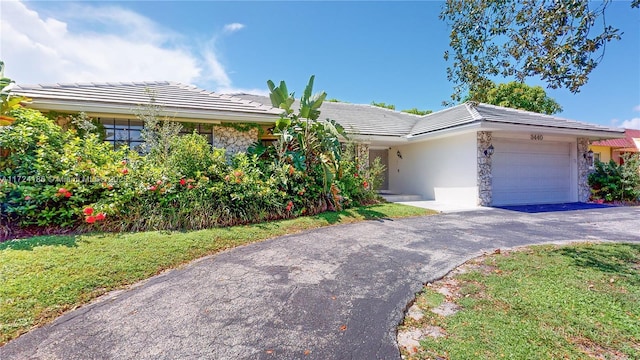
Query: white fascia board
{"points": [[592, 134], [379, 140], [456, 130], [107, 110]]}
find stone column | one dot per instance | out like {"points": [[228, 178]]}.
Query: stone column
{"points": [[362, 155], [235, 141], [484, 169], [584, 191]]}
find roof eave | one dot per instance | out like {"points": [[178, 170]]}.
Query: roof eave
{"points": [[629, 149], [591, 134], [113, 109], [456, 129], [386, 140]]}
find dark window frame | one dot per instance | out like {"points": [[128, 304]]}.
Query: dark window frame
{"points": [[121, 126]]}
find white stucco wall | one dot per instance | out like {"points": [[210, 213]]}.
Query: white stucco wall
{"points": [[443, 169]]}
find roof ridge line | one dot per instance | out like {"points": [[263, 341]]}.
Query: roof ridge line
{"points": [[94, 83], [471, 108]]}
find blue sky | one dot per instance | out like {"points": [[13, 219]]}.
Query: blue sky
{"points": [[359, 51]]}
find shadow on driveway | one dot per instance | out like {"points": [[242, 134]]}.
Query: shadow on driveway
{"points": [[542, 208]]}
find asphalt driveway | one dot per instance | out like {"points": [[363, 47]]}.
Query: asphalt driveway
{"points": [[333, 293]]}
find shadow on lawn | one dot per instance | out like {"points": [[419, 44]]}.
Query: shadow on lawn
{"points": [[31, 243], [368, 213], [621, 259]]}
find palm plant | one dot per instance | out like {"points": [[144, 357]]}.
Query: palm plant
{"points": [[7, 102], [304, 141]]}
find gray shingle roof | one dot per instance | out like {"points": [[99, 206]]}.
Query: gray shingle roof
{"points": [[169, 95], [514, 116], [445, 119], [358, 118], [469, 113]]}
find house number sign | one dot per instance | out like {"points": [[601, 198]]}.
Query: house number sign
{"points": [[537, 137]]}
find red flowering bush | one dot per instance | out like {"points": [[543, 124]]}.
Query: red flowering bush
{"points": [[51, 174], [90, 219], [54, 177]]}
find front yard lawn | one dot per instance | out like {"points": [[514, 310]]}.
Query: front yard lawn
{"points": [[543, 302], [44, 276]]}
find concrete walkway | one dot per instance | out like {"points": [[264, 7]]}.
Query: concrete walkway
{"points": [[333, 293], [444, 207]]}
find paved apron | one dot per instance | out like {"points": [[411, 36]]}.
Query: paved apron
{"points": [[334, 293]]}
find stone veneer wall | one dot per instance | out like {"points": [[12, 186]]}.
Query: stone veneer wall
{"points": [[362, 152], [484, 169], [584, 191], [235, 141]]}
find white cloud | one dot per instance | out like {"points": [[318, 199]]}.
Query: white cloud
{"points": [[230, 28], [631, 123], [234, 90], [99, 44], [217, 72], [636, 108]]}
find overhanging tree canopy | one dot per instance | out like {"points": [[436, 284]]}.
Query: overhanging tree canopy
{"points": [[561, 41], [518, 96]]}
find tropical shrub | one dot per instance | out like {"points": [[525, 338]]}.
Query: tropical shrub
{"points": [[357, 181], [308, 144], [611, 181], [67, 177], [192, 156], [8, 102], [49, 175]]}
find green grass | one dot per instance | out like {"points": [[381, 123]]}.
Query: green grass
{"points": [[44, 276], [545, 302]]}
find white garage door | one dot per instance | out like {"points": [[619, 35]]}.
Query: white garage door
{"points": [[531, 173]]}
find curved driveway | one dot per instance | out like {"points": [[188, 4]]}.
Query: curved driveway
{"points": [[334, 293]]}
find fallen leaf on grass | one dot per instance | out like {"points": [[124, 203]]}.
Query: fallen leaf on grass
{"points": [[307, 352], [343, 327]]}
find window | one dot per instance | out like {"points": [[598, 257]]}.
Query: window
{"points": [[121, 132], [202, 129], [128, 132], [596, 157]]}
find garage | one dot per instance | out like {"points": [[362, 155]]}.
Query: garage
{"points": [[526, 172]]}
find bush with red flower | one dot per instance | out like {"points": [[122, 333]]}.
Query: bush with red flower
{"points": [[55, 177], [51, 173]]}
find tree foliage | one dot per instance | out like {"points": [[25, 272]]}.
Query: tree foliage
{"points": [[416, 111], [383, 105], [518, 96], [611, 181], [560, 41]]}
